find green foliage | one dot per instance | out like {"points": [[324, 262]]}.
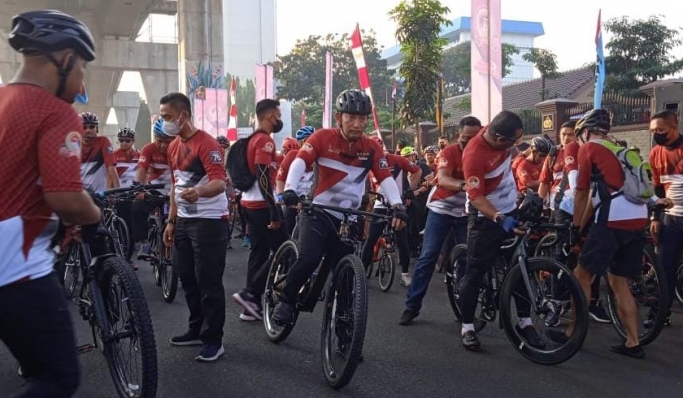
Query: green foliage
{"points": [[640, 52], [457, 62], [545, 62], [419, 27], [143, 127], [245, 94]]}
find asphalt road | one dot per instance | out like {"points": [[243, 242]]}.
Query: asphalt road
{"points": [[424, 359]]}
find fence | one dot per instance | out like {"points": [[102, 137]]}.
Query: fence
{"points": [[531, 120], [623, 110]]}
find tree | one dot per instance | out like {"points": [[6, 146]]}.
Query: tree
{"points": [[545, 62], [457, 67], [246, 101], [640, 52], [418, 32]]}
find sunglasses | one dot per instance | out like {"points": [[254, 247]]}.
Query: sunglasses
{"points": [[90, 126], [501, 137], [125, 140]]}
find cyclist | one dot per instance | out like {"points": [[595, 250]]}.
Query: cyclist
{"points": [[528, 168], [152, 169], [430, 154], [552, 171], [491, 204], [127, 158], [344, 157], [98, 164], [406, 174], [288, 144], [41, 181], [303, 133]]}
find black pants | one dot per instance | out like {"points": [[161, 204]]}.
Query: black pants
{"points": [[199, 255], [400, 237], [263, 241], [317, 238], [124, 209], [290, 218], [36, 327], [670, 246], [417, 217], [140, 224]]}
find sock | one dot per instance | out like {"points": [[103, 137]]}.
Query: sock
{"points": [[524, 322], [467, 327]]}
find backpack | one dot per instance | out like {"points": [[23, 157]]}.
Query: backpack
{"points": [[638, 187], [237, 166]]}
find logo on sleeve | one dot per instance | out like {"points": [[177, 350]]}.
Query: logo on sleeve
{"points": [[473, 182], [569, 160], [215, 157], [269, 147], [110, 150], [142, 159], [443, 162], [71, 146], [383, 164], [523, 173], [307, 147]]}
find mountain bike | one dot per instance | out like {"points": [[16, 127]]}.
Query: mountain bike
{"points": [[165, 274], [344, 295]]}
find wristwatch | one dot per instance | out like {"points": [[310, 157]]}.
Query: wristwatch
{"points": [[170, 221]]}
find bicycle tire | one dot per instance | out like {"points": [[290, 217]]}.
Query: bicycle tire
{"points": [[169, 276], [386, 271], [562, 274], [142, 328], [451, 288], [285, 256], [69, 274], [679, 284], [661, 310], [359, 309], [123, 232], [545, 246]]}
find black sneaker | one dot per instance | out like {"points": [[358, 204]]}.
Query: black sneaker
{"points": [[633, 352], [530, 335], [250, 303], [408, 316], [210, 352], [186, 339], [598, 313], [470, 341], [283, 314]]}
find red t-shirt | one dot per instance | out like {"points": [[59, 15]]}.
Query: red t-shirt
{"points": [[126, 165], [525, 173], [260, 150], [156, 164], [40, 136], [667, 170], [95, 160], [553, 176], [442, 200], [194, 163], [399, 167]]}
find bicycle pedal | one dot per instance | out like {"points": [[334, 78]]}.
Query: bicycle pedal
{"points": [[82, 349]]}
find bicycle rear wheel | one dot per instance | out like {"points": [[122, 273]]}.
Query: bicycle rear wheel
{"points": [[168, 275], [68, 268], [283, 259], [679, 284], [386, 271], [550, 282], [344, 321], [119, 224], [650, 292], [485, 311], [129, 344]]}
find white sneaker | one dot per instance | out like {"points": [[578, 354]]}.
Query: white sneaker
{"points": [[406, 280]]}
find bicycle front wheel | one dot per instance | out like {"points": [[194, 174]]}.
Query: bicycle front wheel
{"points": [[552, 287], [282, 261], [119, 224], [168, 274], [129, 344], [679, 284], [344, 321], [386, 271]]}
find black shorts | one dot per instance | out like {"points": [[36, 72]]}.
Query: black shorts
{"points": [[619, 250]]}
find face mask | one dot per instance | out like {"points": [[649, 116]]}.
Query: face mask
{"points": [[277, 127], [172, 128], [660, 139], [442, 146]]}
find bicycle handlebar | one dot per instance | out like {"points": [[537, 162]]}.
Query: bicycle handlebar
{"points": [[347, 211], [135, 188]]}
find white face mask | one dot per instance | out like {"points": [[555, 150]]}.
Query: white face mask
{"points": [[171, 128]]}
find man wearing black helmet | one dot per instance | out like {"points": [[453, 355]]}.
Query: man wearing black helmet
{"points": [[344, 157], [98, 163], [41, 134]]}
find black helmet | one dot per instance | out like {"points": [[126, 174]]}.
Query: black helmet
{"points": [[355, 102], [90, 118], [531, 207], [541, 144], [223, 140], [46, 31], [594, 120], [126, 132]]}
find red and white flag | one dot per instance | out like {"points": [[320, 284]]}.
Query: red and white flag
{"points": [[363, 76], [232, 123], [302, 120], [327, 106]]}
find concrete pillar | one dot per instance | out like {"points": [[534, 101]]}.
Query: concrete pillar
{"points": [[200, 45], [10, 60], [553, 115], [127, 107], [101, 85], [157, 84]]}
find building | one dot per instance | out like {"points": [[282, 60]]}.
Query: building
{"points": [[519, 33]]}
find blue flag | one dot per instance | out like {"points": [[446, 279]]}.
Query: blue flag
{"points": [[599, 67], [82, 97]]}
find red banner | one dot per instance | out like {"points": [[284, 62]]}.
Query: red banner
{"points": [[232, 124], [363, 76], [302, 120]]}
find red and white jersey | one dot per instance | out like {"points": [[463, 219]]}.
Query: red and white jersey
{"points": [[399, 167], [488, 172], [156, 164], [306, 182], [41, 140], [667, 170], [126, 166], [553, 177], [622, 213], [195, 163], [571, 154], [526, 172], [442, 200], [260, 150], [95, 160], [343, 167]]}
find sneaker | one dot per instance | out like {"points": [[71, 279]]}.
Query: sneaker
{"points": [[145, 252], [406, 280], [246, 242], [249, 302], [633, 352], [408, 316], [283, 314], [529, 334], [246, 317], [20, 372], [186, 339], [598, 313], [470, 341], [210, 352]]}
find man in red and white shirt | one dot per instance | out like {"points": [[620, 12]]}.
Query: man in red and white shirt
{"points": [[615, 239], [552, 172], [197, 225], [98, 164], [446, 216], [127, 158], [491, 204], [528, 167], [41, 139]]}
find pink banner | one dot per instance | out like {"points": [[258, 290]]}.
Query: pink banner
{"points": [[211, 113], [264, 82], [486, 59], [327, 104], [232, 122]]}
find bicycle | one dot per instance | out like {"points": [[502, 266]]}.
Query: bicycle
{"points": [[344, 295], [383, 253], [165, 274], [516, 276], [111, 300]]}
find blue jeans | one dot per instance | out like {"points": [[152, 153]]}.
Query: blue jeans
{"points": [[436, 229]]}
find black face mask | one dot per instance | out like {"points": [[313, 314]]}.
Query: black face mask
{"points": [[660, 139], [277, 127]]}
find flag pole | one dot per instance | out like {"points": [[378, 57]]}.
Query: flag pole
{"points": [[393, 123]]}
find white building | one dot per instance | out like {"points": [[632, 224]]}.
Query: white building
{"points": [[519, 33]]}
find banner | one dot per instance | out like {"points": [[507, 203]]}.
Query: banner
{"points": [[599, 66], [211, 113], [232, 123], [486, 64], [264, 82], [439, 104], [327, 104], [302, 119], [363, 77]]}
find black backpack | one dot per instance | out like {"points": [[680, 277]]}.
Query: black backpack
{"points": [[237, 166]]}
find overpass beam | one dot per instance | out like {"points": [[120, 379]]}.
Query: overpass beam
{"points": [[132, 55], [157, 84]]}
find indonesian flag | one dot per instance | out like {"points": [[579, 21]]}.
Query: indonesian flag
{"points": [[232, 123], [302, 120], [363, 77]]}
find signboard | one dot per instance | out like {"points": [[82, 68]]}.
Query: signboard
{"points": [[244, 132]]}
